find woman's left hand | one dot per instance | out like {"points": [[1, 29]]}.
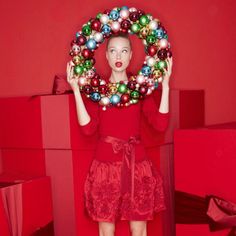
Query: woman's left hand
{"points": [[167, 72]]}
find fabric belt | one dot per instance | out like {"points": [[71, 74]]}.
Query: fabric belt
{"points": [[128, 162]]}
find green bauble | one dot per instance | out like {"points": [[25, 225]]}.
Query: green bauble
{"points": [[99, 15], [78, 70], [134, 101], [122, 88], [165, 36], [160, 65], [134, 94], [135, 28], [88, 64], [144, 20], [151, 39], [86, 30]]}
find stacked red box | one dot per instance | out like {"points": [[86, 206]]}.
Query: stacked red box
{"points": [[204, 161]]}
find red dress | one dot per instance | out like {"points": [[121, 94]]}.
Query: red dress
{"points": [[123, 183]]}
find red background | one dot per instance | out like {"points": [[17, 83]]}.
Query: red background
{"points": [[36, 35]]}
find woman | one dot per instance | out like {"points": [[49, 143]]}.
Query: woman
{"points": [[122, 182]]}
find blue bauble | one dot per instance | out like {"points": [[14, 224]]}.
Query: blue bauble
{"points": [[146, 70], [95, 96], [114, 15], [124, 8], [106, 29], [91, 44], [115, 99], [158, 33]]}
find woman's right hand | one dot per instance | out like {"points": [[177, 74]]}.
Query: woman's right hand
{"points": [[71, 79]]}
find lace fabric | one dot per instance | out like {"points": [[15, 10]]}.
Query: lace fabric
{"points": [[105, 202]]}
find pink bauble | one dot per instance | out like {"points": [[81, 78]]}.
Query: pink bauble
{"points": [[163, 43], [115, 26], [140, 79], [82, 81], [124, 14]]}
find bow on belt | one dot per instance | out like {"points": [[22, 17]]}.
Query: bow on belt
{"points": [[128, 162]]}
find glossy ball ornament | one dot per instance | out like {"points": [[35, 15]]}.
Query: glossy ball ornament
{"points": [[140, 12], [102, 89], [90, 74], [146, 70], [78, 70], [125, 24], [115, 99], [158, 33], [132, 84], [95, 82], [81, 40], [91, 44], [87, 89], [75, 49], [151, 39], [162, 54], [82, 81], [151, 61], [160, 65], [144, 20], [156, 74], [104, 19], [143, 32], [163, 43], [87, 54], [125, 98], [135, 28], [124, 14], [152, 50], [114, 15], [143, 89], [86, 30], [95, 25], [153, 25], [95, 96], [132, 9], [112, 88], [106, 29], [77, 60], [140, 79], [104, 101], [134, 94], [88, 64], [115, 26], [98, 37], [122, 88], [134, 16]]}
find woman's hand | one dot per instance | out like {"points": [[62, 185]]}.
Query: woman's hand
{"points": [[167, 72], [71, 79]]}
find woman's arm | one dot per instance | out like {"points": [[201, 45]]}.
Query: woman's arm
{"points": [[164, 104], [87, 123]]}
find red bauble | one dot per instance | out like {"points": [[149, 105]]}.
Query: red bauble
{"points": [[134, 16], [152, 50], [131, 85], [73, 42], [143, 89], [86, 53], [96, 25], [162, 54], [140, 13], [87, 89], [103, 89], [125, 24], [107, 11], [81, 40], [95, 82], [125, 98]]}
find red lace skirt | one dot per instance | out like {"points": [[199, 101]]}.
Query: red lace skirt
{"points": [[103, 198]]}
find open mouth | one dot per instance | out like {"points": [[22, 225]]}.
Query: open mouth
{"points": [[118, 64]]}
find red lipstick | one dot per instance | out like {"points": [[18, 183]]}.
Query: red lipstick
{"points": [[118, 64]]}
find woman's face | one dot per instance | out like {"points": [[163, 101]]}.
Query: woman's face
{"points": [[119, 53]]}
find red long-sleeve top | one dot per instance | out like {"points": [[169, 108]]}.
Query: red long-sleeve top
{"points": [[123, 123]]}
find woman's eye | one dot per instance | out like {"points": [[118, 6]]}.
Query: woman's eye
{"points": [[125, 50], [112, 50]]}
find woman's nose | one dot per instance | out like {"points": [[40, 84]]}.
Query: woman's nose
{"points": [[118, 55]]}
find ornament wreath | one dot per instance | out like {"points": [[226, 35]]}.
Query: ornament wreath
{"points": [[95, 31]]}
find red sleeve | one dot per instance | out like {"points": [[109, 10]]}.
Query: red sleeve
{"points": [[158, 120], [91, 127]]}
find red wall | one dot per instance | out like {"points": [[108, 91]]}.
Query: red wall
{"points": [[36, 35]]}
